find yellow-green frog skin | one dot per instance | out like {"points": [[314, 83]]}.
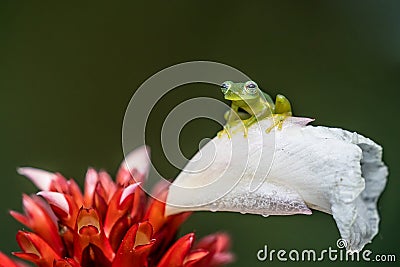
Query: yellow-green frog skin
{"points": [[256, 104]]}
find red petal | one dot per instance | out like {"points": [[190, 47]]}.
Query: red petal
{"points": [[67, 235], [119, 206], [107, 183], [216, 242], [66, 263], [194, 257], [92, 256], [75, 192], [218, 247], [39, 220], [63, 206], [135, 167], [89, 233], [165, 228], [155, 212], [220, 259], [138, 206], [135, 246], [20, 217], [176, 255], [118, 232], [35, 249], [5, 261], [99, 201]]}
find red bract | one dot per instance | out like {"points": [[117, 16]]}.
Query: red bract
{"points": [[110, 224]]}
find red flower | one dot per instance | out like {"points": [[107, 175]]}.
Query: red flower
{"points": [[110, 224]]}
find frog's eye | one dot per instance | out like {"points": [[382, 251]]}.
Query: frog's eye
{"points": [[251, 87], [225, 87]]}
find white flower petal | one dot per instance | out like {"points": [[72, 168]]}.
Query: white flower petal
{"points": [[287, 172]]}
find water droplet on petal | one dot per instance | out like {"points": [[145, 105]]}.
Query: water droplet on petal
{"points": [[214, 207]]}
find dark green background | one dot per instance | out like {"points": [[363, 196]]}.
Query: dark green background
{"points": [[68, 71]]}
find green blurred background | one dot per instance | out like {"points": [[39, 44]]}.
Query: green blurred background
{"points": [[68, 71]]}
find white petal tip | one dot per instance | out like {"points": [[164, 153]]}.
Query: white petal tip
{"points": [[129, 190], [41, 178], [138, 159], [91, 176], [55, 199], [170, 210]]}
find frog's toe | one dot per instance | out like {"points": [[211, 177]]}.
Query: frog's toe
{"points": [[278, 122], [245, 131], [223, 131], [247, 123]]}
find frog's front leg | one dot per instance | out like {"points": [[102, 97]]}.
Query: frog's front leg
{"points": [[231, 117], [247, 123], [265, 112], [283, 110]]}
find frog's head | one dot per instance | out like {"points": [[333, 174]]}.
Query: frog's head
{"points": [[240, 91]]}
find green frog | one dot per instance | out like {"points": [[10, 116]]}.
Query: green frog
{"points": [[256, 104]]}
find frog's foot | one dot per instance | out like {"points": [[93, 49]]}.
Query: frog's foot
{"points": [[278, 121], [225, 130]]}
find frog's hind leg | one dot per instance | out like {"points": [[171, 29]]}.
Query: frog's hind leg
{"points": [[240, 116], [282, 105], [283, 110]]}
